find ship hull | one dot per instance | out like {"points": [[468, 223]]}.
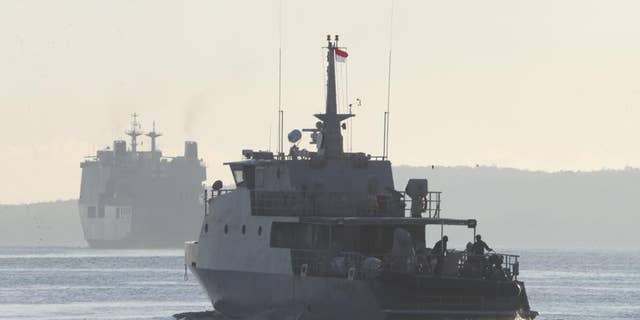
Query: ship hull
{"points": [[241, 294]]}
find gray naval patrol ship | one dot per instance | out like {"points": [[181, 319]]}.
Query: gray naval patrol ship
{"points": [[326, 235], [141, 199]]}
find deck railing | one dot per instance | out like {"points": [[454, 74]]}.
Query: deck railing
{"points": [[354, 265], [209, 198], [491, 265], [310, 155], [330, 204], [291, 203], [339, 204], [220, 192]]}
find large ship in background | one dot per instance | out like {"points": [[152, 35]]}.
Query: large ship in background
{"points": [[141, 199]]}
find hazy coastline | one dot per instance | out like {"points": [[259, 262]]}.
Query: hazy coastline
{"points": [[565, 210]]}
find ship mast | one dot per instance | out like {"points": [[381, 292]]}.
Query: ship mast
{"points": [[332, 144], [134, 132], [153, 135]]}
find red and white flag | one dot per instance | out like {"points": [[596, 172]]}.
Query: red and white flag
{"points": [[341, 55]]}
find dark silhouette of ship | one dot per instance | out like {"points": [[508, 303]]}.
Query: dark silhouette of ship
{"points": [[141, 199], [326, 235]]}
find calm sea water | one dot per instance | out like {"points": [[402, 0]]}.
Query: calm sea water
{"points": [[64, 283]]}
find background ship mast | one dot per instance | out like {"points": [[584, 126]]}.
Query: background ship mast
{"points": [[134, 132], [153, 135]]}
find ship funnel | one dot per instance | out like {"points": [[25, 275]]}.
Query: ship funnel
{"points": [[190, 150], [120, 148]]}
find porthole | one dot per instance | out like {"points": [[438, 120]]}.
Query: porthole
{"points": [[260, 230], [226, 229], [244, 229]]}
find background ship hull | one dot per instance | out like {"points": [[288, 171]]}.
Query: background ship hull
{"points": [[148, 229], [172, 241]]}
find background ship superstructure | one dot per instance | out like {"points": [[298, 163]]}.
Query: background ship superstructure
{"points": [[137, 199]]}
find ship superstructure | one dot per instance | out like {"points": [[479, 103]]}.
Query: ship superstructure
{"points": [[326, 234], [141, 199]]}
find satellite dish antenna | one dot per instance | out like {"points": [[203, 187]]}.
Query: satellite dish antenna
{"points": [[217, 186], [294, 136]]}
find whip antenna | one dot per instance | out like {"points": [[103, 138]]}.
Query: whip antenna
{"points": [[280, 112], [385, 143]]}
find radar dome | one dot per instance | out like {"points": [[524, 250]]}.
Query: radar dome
{"points": [[294, 136]]}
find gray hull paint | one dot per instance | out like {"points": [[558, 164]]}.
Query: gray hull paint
{"points": [[243, 294]]}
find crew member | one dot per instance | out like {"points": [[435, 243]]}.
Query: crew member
{"points": [[480, 246], [439, 251]]}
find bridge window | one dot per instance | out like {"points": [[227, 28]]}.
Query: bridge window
{"points": [[244, 175], [238, 176], [368, 240], [299, 236]]}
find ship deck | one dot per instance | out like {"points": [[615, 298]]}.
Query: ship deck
{"points": [[393, 221]]}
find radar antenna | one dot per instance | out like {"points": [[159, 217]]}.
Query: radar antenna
{"points": [[134, 132]]}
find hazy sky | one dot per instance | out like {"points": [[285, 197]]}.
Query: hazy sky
{"points": [[548, 85]]}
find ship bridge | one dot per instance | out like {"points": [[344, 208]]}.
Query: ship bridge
{"points": [[328, 181]]}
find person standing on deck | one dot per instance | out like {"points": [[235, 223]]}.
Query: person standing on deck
{"points": [[480, 246], [439, 251]]}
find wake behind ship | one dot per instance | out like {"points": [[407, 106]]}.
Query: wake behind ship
{"points": [[141, 199]]}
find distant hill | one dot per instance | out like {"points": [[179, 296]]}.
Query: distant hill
{"points": [[515, 209], [41, 224]]}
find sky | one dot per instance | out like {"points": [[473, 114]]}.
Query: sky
{"points": [[538, 85]]}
